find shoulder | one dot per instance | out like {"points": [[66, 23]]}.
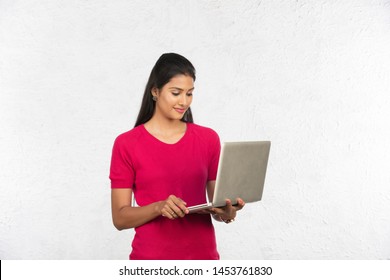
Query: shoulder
{"points": [[129, 138], [207, 139], [203, 132]]}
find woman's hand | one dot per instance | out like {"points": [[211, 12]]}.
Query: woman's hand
{"points": [[228, 212], [173, 207]]}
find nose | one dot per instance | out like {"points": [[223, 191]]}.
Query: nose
{"points": [[183, 101]]}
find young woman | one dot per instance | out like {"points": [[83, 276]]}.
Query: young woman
{"points": [[168, 162]]}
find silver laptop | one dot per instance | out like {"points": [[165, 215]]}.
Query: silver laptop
{"points": [[241, 173]]}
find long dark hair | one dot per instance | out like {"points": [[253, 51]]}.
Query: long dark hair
{"points": [[166, 67]]}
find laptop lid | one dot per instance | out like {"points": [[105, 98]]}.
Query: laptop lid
{"points": [[241, 173]]}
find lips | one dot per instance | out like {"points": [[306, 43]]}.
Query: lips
{"points": [[180, 110]]}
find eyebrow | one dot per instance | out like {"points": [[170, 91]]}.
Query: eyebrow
{"points": [[181, 88]]}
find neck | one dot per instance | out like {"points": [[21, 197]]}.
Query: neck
{"points": [[163, 124], [166, 131]]}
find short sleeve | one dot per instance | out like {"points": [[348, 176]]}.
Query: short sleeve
{"points": [[215, 149], [121, 170]]}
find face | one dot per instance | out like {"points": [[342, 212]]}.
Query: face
{"points": [[174, 98]]}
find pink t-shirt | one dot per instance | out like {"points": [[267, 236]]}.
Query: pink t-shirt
{"points": [[155, 170]]}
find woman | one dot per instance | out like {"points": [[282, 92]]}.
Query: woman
{"points": [[167, 161]]}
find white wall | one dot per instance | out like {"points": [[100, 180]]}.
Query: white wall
{"points": [[311, 76]]}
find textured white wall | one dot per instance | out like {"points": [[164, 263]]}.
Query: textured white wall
{"points": [[311, 76]]}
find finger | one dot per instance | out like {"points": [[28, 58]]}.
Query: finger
{"points": [[174, 210], [208, 211], [228, 206], [240, 204], [182, 205], [168, 214], [171, 214], [228, 202], [179, 212], [167, 210], [178, 206], [205, 211], [218, 211]]}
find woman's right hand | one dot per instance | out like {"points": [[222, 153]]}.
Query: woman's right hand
{"points": [[173, 207]]}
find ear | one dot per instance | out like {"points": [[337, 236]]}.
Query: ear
{"points": [[155, 91]]}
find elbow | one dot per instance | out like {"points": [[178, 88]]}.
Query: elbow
{"points": [[117, 224], [120, 225]]}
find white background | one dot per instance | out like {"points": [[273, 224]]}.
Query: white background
{"points": [[311, 76]]}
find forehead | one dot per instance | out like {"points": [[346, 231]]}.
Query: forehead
{"points": [[181, 82]]}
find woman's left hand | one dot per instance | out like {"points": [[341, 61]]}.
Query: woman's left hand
{"points": [[228, 212]]}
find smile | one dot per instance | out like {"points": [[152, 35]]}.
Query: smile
{"points": [[180, 110]]}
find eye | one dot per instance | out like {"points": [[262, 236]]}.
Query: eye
{"points": [[176, 93], [189, 93]]}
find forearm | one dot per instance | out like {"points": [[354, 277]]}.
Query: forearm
{"points": [[131, 217]]}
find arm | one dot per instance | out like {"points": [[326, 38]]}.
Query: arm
{"points": [[210, 195], [125, 216], [210, 189]]}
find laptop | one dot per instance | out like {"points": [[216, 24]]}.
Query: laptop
{"points": [[241, 173]]}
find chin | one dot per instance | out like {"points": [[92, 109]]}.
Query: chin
{"points": [[177, 117]]}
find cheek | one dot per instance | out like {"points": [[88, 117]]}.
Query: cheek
{"points": [[167, 102], [190, 101]]}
